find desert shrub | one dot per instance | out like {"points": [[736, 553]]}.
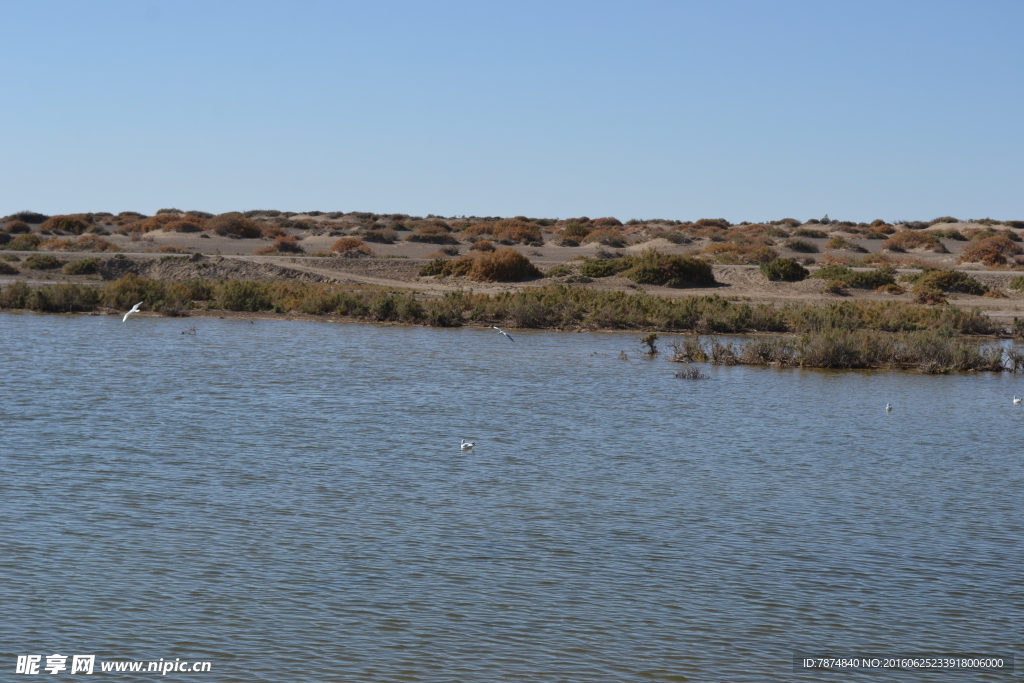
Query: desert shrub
{"points": [[5, 238], [675, 237], [835, 287], [75, 224], [29, 217], [871, 279], [929, 297], [15, 295], [516, 231], [27, 242], [994, 294], [182, 226], [810, 232], [63, 298], [654, 268], [17, 227], [600, 267], [42, 262], [689, 350], [482, 245], [950, 235], [345, 244], [1017, 282], [234, 224], [911, 239], [447, 250], [236, 295], [86, 266], [990, 251], [799, 245], [784, 269], [845, 245], [946, 281], [608, 221], [560, 270], [875, 235], [382, 236], [434, 268], [576, 231], [690, 373], [432, 234], [605, 236], [286, 244], [7, 269], [271, 231], [503, 265], [713, 223], [945, 219], [566, 242]]}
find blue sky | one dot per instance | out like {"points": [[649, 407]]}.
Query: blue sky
{"points": [[744, 110]]}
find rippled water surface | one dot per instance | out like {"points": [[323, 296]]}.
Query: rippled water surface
{"points": [[288, 501]]}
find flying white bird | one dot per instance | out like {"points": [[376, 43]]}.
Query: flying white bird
{"points": [[466, 445], [1016, 401], [501, 331], [888, 408], [135, 309]]}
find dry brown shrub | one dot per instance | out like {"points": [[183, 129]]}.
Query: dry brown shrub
{"points": [[432, 234], [514, 230], [990, 251], [168, 249], [607, 237], [995, 294], [286, 244], [478, 229], [265, 251], [443, 252], [345, 244], [503, 265], [607, 222], [16, 227], [76, 224], [184, 225], [482, 245], [272, 231], [914, 239], [234, 224]]}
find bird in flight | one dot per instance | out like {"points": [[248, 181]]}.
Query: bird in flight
{"points": [[135, 309], [466, 445], [501, 331]]}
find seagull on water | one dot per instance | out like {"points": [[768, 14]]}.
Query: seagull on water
{"points": [[888, 408], [466, 445], [1016, 401], [501, 331], [135, 309]]}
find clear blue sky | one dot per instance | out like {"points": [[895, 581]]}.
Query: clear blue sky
{"points": [[745, 110]]}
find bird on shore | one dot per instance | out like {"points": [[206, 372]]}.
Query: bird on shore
{"points": [[467, 445], [1016, 401], [501, 331], [135, 309], [888, 408]]}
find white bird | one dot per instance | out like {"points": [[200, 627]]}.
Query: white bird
{"points": [[888, 408], [466, 445], [501, 331], [135, 309], [1016, 401]]}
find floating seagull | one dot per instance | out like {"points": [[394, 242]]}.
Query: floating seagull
{"points": [[1016, 401], [888, 408], [135, 309], [501, 331], [466, 445]]}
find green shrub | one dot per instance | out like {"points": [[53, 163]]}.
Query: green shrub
{"points": [[835, 287], [27, 242], [87, 266], [234, 224], [15, 295], [654, 268], [236, 295], [63, 298], [598, 268], [42, 262], [784, 269], [871, 279], [946, 281], [607, 237], [1017, 282], [434, 268]]}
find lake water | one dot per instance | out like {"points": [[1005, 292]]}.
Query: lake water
{"points": [[288, 501]]}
